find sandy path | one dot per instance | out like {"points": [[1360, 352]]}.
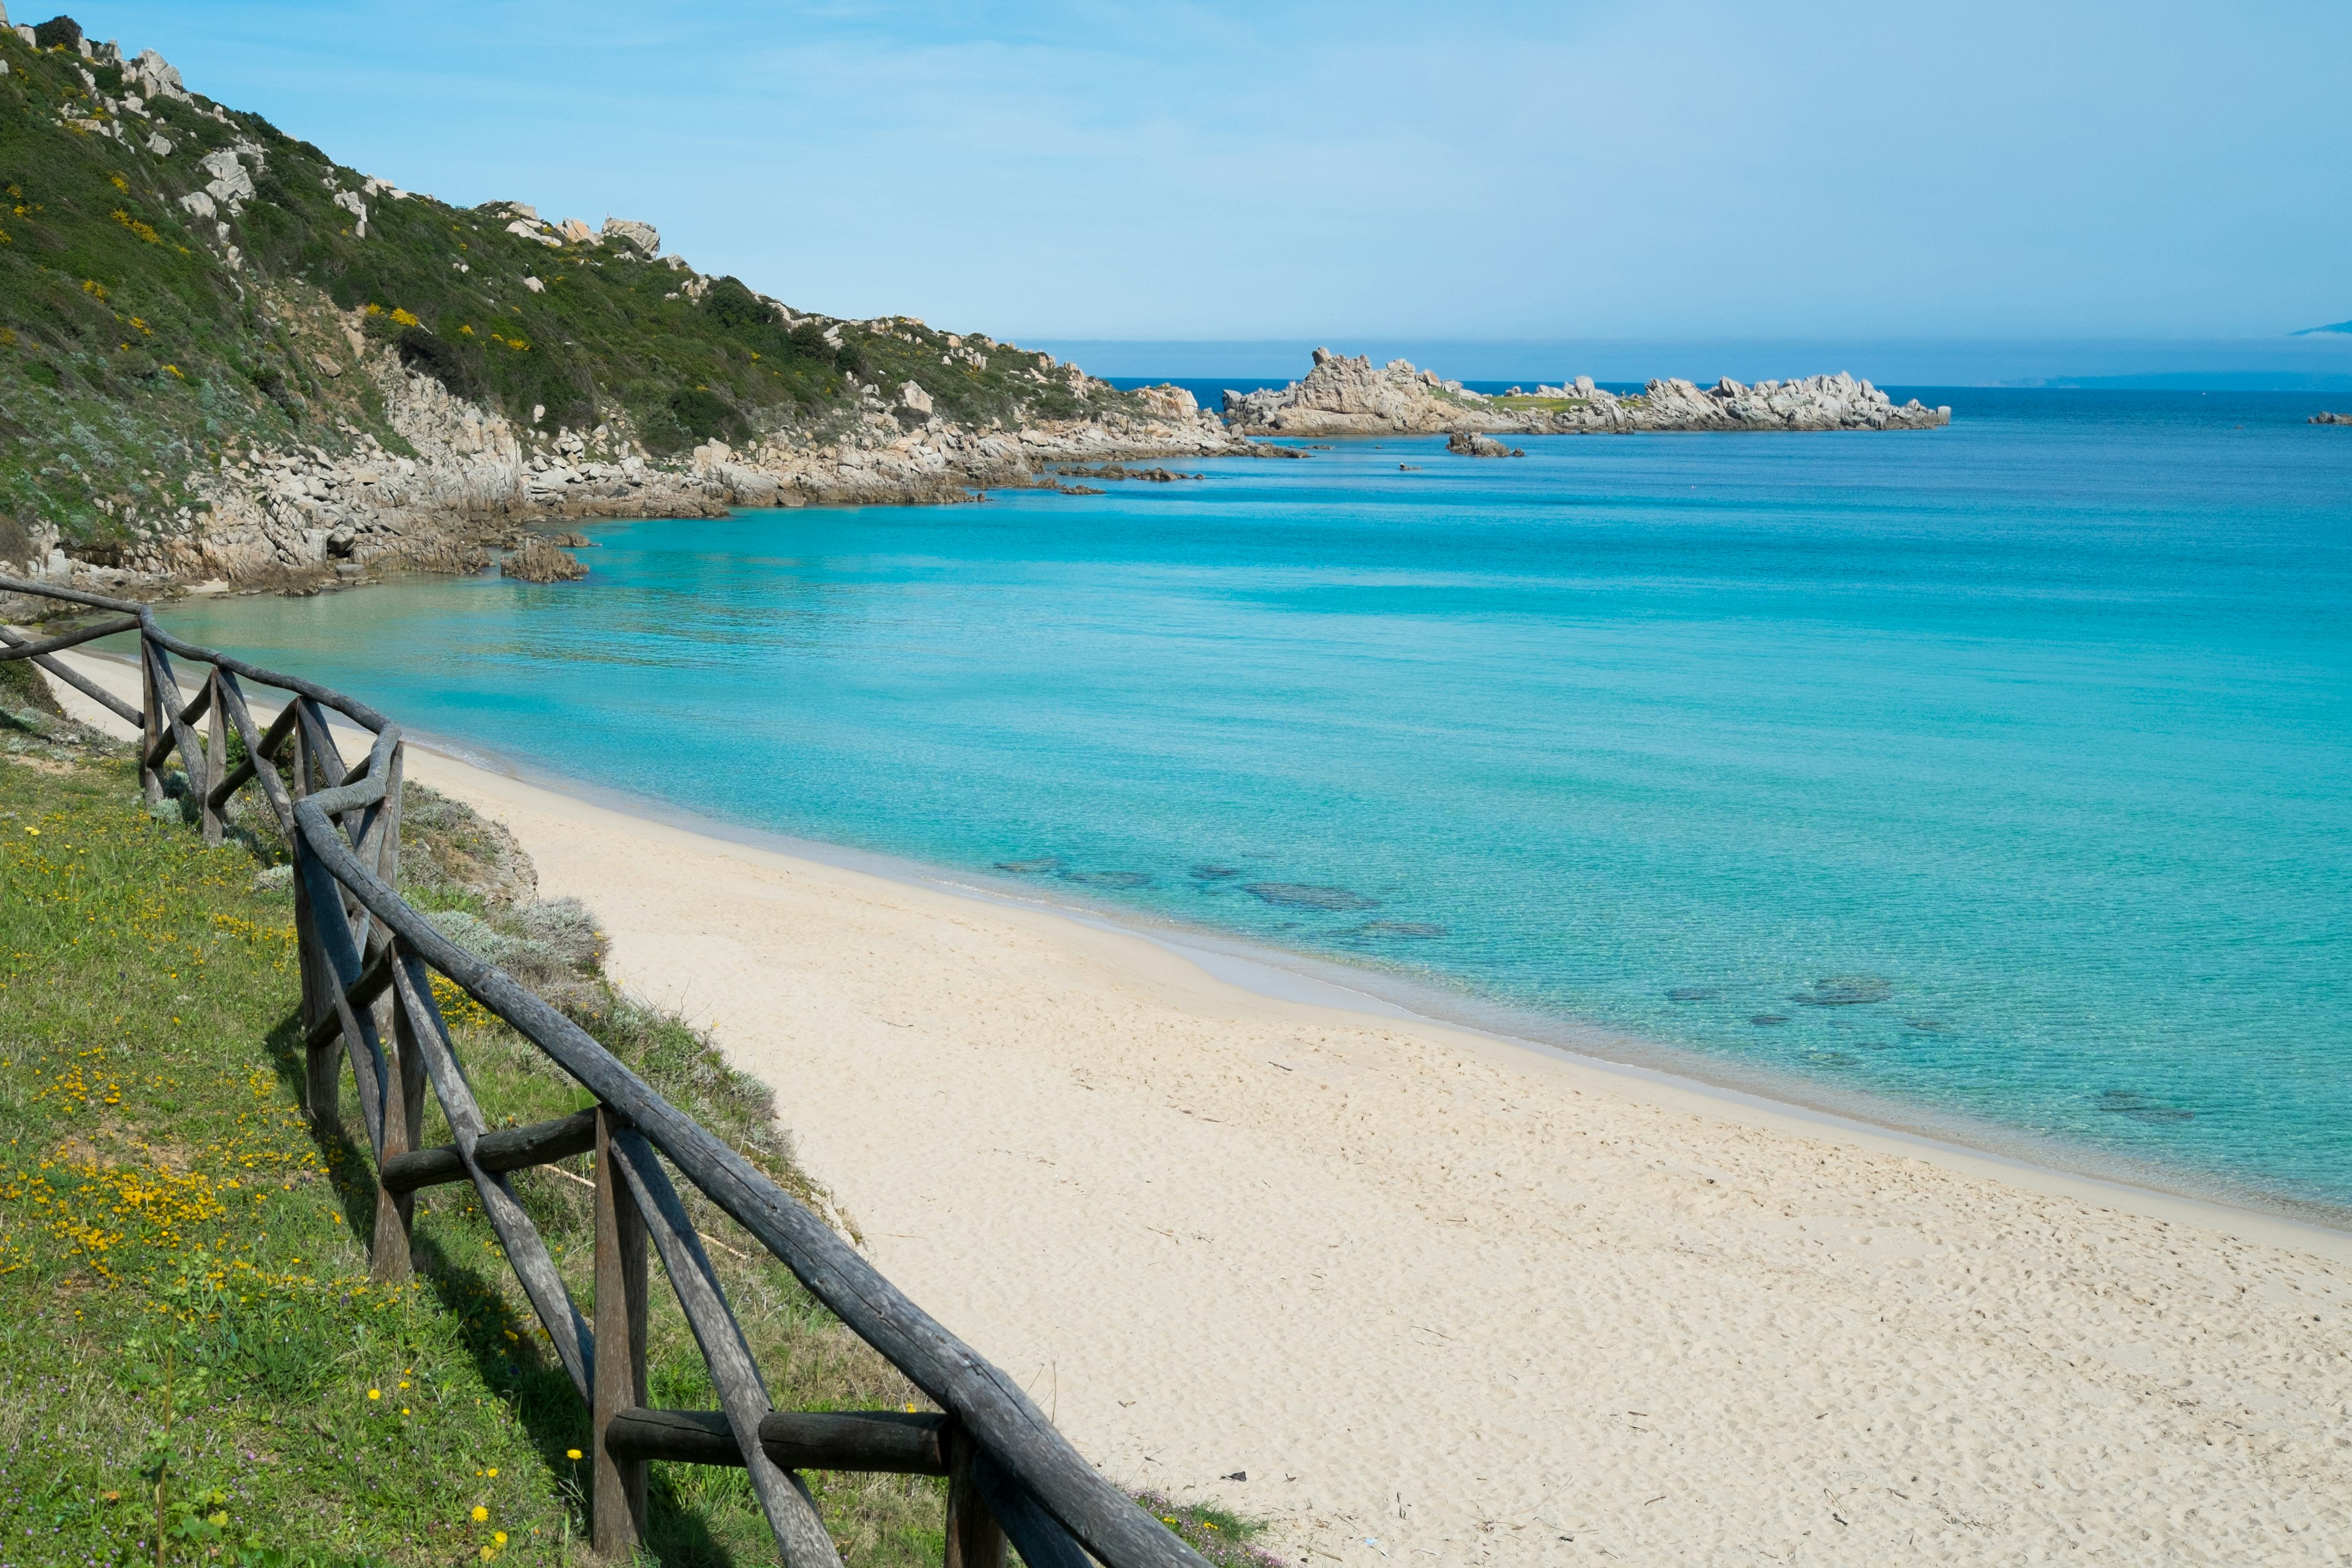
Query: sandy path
{"points": [[1445, 1299]]}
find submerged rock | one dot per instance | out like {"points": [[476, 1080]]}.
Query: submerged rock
{"points": [[1030, 868], [1845, 991], [1693, 993], [2139, 1108], [1768, 1018], [1213, 873], [1304, 896]]}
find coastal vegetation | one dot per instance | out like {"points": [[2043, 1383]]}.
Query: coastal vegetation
{"points": [[181, 281], [195, 1353]]}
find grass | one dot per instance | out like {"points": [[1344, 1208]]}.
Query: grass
{"points": [[191, 1341], [184, 1272]]}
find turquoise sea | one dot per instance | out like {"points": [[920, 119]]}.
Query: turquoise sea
{"points": [[1995, 781]]}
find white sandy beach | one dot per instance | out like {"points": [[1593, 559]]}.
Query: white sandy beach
{"points": [[1444, 1299]]}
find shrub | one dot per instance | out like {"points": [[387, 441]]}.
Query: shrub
{"points": [[428, 353], [58, 33], [702, 414], [735, 308]]}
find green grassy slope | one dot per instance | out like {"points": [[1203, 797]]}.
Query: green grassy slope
{"points": [[135, 345], [188, 1331]]}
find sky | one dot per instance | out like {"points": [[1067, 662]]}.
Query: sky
{"points": [[1366, 170]]}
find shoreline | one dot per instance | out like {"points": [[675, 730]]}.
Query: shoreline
{"points": [[1407, 1290], [1314, 980]]}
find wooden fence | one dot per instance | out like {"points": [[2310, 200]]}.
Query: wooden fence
{"points": [[367, 965]]}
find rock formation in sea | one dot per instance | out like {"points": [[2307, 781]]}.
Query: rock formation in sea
{"points": [[1344, 396], [2325, 417], [538, 560]]}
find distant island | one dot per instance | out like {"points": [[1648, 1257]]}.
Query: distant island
{"points": [[1343, 397]]}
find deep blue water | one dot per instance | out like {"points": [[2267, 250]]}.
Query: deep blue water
{"points": [[2039, 727]]}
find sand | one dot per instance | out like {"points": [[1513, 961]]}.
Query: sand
{"points": [[1445, 1298]]}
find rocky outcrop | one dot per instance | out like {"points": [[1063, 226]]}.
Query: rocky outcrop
{"points": [[1470, 444], [1343, 397], [2325, 417], [538, 560], [303, 515]]}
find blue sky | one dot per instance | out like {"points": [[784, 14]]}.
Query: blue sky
{"points": [[1557, 171]]}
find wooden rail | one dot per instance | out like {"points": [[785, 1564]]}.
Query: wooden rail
{"points": [[367, 966]]}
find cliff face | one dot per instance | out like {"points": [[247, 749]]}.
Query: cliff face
{"points": [[224, 355], [1342, 396]]}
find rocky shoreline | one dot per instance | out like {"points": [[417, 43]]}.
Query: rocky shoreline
{"points": [[1344, 396], [302, 518]]}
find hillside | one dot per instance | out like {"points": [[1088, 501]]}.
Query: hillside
{"points": [[209, 329]]}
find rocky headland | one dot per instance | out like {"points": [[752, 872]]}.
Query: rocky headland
{"points": [[1345, 397], [227, 361]]}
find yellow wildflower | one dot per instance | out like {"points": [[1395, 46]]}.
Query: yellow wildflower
{"points": [[571, 1453], [481, 1514], [372, 1393]]}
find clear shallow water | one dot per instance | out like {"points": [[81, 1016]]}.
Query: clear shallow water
{"points": [[2038, 728]]}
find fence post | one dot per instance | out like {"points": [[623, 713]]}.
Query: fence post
{"points": [[216, 766], [151, 726], [403, 1112], [322, 1075], [974, 1538], [619, 1493]]}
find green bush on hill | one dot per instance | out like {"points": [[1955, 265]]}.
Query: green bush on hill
{"points": [[138, 341]]}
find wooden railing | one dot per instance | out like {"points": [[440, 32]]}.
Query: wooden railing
{"points": [[367, 966]]}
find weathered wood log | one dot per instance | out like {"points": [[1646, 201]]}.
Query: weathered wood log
{"points": [[199, 703], [575, 1344], [83, 684], [617, 1496], [263, 748], [1002, 1418], [332, 930], [508, 1149], [1034, 1533], [374, 982], [403, 1111], [974, 1538], [888, 1442], [70, 595], [151, 732], [208, 807], [167, 693], [792, 1513], [23, 648]]}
